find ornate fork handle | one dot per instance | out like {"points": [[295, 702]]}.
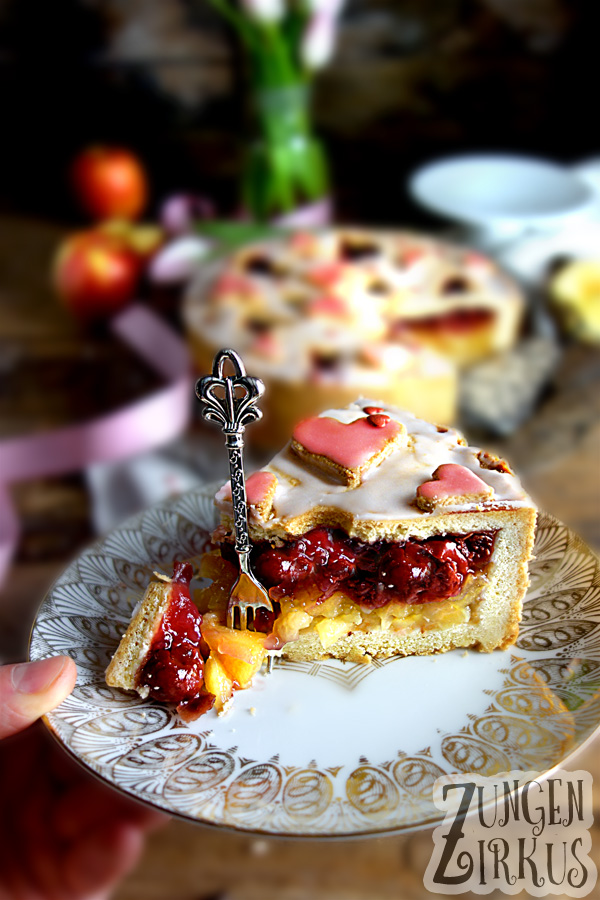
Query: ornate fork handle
{"points": [[230, 402], [234, 443], [233, 412]]}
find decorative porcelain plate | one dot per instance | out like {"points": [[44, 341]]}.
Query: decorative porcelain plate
{"points": [[323, 749]]}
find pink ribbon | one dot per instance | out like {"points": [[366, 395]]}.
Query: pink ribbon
{"points": [[134, 429], [312, 215]]}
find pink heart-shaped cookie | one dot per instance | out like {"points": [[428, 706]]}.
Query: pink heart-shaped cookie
{"points": [[260, 490], [452, 485], [347, 449]]}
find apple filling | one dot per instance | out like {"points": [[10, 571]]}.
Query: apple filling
{"points": [[336, 585]]}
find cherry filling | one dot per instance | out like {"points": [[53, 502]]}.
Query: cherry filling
{"points": [[352, 251], [372, 575], [174, 666], [261, 265], [459, 321], [456, 284]]}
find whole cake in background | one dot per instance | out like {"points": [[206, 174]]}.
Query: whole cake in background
{"points": [[376, 534], [325, 317]]}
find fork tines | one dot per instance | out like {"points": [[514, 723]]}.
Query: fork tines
{"points": [[246, 623]]}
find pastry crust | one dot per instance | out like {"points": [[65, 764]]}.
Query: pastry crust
{"points": [[135, 644]]}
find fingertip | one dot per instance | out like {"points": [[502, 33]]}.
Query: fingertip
{"points": [[67, 678], [61, 679], [29, 690]]}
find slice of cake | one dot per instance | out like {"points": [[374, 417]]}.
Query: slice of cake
{"points": [[173, 654], [377, 533]]}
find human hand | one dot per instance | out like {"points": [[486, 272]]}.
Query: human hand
{"points": [[63, 835], [28, 690]]}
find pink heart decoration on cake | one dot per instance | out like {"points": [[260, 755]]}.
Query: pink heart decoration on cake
{"points": [[260, 489], [327, 275], [452, 485], [348, 445], [330, 306]]}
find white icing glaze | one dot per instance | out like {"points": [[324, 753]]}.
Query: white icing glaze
{"points": [[388, 491]]}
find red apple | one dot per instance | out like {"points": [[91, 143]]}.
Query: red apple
{"points": [[96, 273], [110, 182]]}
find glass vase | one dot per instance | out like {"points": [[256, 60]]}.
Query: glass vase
{"points": [[285, 173]]}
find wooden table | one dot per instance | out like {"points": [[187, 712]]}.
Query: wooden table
{"points": [[186, 862]]}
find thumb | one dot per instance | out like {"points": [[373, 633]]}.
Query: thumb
{"points": [[28, 690]]}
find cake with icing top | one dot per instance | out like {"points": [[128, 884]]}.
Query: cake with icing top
{"points": [[378, 533], [325, 317]]}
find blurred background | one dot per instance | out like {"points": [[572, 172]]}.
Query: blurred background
{"points": [[408, 81], [185, 115]]}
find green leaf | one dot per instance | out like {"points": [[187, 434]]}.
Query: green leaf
{"points": [[230, 235]]}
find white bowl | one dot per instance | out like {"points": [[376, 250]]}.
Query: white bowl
{"points": [[500, 192]]}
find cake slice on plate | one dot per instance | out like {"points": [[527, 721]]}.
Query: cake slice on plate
{"points": [[379, 534], [376, 533]]}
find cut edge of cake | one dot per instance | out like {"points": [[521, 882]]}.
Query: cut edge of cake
{"points": [[498, 613], [130, 655]]}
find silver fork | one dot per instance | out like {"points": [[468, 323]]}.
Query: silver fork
{"points": [[233, 413]]}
